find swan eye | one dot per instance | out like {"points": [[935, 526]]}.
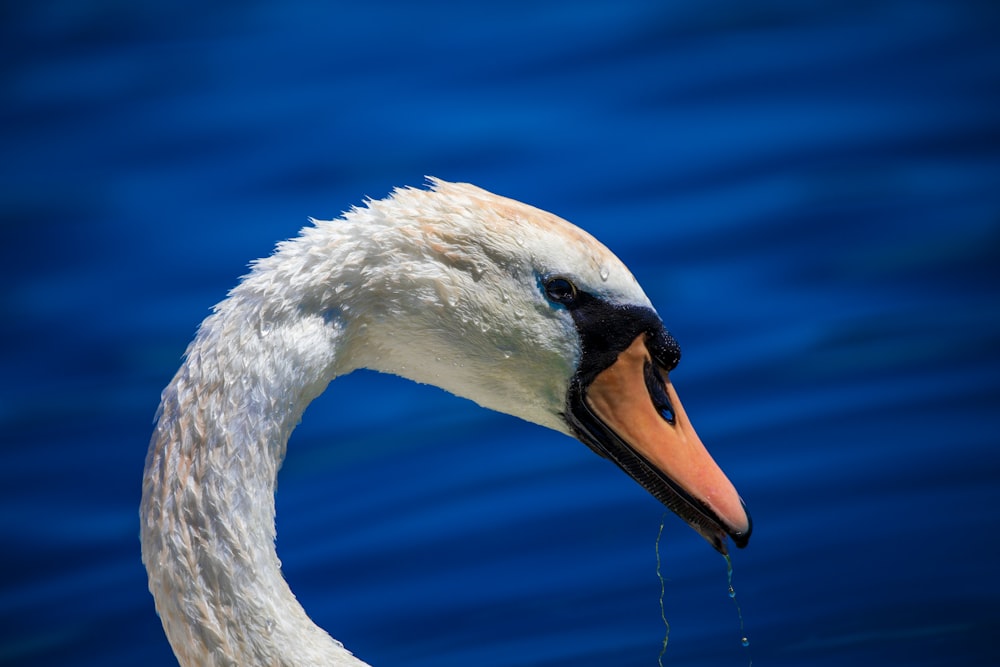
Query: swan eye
{"points": [[560, 290]]}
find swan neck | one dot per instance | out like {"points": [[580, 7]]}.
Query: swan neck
{"points": [[208, 493]]}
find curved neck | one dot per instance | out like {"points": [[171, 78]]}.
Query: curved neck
{"points": [[434, 286], [208, 494]]}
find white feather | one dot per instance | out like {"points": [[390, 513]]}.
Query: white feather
{"points": [[441, 286]]}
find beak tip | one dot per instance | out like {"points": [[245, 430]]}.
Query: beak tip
{"points": [[717, 533], [741, 538]]}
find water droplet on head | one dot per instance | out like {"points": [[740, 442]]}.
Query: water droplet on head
{"points": [[605, 272]]}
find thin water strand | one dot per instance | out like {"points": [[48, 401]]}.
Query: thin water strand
{"points": [[663, 612], [744, 639]]}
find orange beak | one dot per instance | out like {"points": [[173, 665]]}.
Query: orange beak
{"points": [[631, 414]]}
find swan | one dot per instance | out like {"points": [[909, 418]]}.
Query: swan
{"points": [[486, 297]]}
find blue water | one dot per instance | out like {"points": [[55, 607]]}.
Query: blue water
{"points": [[809, 192]]}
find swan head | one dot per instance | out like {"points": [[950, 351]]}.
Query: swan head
{"points": [[524, 313]]}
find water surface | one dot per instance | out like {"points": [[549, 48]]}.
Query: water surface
{"points": [[808, 195]]}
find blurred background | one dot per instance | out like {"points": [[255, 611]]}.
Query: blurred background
{"points": [[809, 193]]}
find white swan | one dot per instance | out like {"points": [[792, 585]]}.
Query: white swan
{"points": [[486, 297]]}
